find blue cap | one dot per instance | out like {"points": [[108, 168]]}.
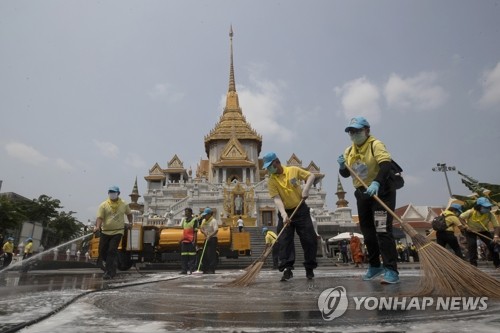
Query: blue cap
{"points": [[357, 122], [10, 238], [483, 202], [207, 210], [29, 240], [268, 159], [456, 207], [114, 189], [264, 230]]}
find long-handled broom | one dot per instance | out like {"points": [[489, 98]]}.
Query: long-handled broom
{"points": [[444, 273], [197, 272], [253, 270]]}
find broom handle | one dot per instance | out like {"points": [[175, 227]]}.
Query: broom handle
{"points": [[355, 175], [291, 216]]}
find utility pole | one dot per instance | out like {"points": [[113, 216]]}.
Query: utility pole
{"points": [[441, 167]]}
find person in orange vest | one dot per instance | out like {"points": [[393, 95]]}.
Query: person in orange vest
{"points": [[188, 250]]}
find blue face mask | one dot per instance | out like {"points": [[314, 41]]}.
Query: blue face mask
{"points": [[272, 170], [484, 210], [359, 138]]}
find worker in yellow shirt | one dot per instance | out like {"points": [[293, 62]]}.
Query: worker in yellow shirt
{"points": [[28, 249], [271, 238], [8, 250]]}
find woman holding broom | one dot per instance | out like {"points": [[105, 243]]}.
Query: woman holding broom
{"points": [[369, 158], [478, 221]]}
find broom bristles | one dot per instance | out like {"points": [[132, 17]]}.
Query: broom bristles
{"points": [[445, 274], [251, 271], [254, 268]]}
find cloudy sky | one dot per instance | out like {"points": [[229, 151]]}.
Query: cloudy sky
{"points": [[94, 93]]}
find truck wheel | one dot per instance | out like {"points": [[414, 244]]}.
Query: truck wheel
{"points": [[124, 261]]}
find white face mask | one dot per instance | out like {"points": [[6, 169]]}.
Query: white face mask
{"points": [[113, 195], [359, 138]]}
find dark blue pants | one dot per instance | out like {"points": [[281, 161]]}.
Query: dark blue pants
{"points": [[378, 242], [302, 224], [188, 257]]}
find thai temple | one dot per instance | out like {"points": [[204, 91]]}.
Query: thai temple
{"points": [[231, 180]]}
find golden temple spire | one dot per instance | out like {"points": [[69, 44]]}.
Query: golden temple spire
{"points": [[232, 123], [232, 85]]}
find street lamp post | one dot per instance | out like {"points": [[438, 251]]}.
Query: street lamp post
{"points": [[442, 167]]}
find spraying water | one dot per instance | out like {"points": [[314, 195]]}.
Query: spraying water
{"points": [[26, 261]]}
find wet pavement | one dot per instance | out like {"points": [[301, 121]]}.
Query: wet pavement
{"points": [[336, 300]]}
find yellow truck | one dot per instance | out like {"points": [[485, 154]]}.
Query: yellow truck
{"points": [[161, 244]]}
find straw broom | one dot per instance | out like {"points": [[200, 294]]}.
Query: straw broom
{"points": [[444, 274], [254, 268]]}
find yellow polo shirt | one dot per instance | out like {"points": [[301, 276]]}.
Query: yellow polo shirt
{"points": [[113, 216], [479, 222], [364, 160], [288, 185]]}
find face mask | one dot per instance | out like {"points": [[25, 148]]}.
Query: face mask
{"points": [[358, 138], [272, 170], [484, 210], [113, 195]]}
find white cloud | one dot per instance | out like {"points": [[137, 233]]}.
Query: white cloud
{"points": [[262, 106], [164, 91], [360, 97], [135, 161], [491, 88], [63, 165], [25, 153], [107, 149], [416, 93]]}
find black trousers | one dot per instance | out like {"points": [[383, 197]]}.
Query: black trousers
{"points": [[209, 261], [472, 247], [108, 252], [378, 242], [444, 238], [302, 224], [7, 259]]}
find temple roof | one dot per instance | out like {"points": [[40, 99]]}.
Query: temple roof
{"points": [[232, 122]]}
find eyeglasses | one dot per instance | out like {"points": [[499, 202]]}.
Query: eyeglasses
{"points": [[355, 130]]}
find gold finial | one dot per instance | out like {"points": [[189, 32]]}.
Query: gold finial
{"points": [[232, 85]]}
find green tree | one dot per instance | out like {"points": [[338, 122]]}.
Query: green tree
{"points": [[42, 210], [11, 215], [64, 227]]}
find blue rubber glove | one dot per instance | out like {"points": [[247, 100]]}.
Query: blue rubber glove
{"points": [[341, 161], [372, 189]]}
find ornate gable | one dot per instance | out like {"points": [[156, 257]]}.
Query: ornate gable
{"points": [[233, 151], [294, 161], [412, 213], [155, 173], [313, 168], [175, 163]]}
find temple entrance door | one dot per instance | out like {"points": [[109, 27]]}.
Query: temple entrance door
{"points": [[267, 218]]}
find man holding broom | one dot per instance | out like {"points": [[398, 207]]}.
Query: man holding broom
{"points": [[371, 161], [284, 187]]}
